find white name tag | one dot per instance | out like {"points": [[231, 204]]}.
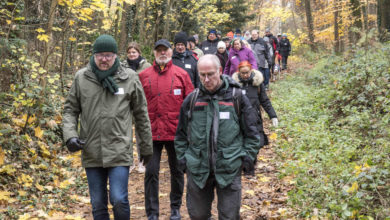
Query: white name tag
{"points": [[233, 57], [206, 48], [120, 91], [243, 92], [177, 91], [188, 66], [224, 115]]}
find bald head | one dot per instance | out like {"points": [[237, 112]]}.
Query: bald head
{"points": [[210, 72]]}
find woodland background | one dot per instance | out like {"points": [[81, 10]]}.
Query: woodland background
{"points": [[341, 52]]}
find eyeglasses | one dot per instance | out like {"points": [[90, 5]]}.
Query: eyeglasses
{"points": [[245, 73], [108, 56]]}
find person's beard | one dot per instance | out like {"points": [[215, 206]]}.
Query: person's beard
{"points": [[163, 62]]}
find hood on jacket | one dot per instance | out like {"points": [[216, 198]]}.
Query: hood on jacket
{"points": [[227, 82], [256, 80]]}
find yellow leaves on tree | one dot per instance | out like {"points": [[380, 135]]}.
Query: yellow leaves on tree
{"points": [[43, 37], [40, 30]]}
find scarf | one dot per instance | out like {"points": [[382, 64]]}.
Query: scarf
{"points": [[106, 77], [134, 64]]}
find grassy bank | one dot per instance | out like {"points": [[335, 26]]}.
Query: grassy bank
{"points": [[334, 136]]}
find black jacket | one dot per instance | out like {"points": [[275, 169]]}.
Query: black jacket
{"points": [[285, 47], [257, 99], [209, 47], [273, 40], [251, 86], [188, 62]]}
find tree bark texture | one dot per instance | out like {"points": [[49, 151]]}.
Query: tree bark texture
{"points": [[309, 22], [384, 19]]}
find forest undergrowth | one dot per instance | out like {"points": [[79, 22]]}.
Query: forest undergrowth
{"points": [[334, 136]]}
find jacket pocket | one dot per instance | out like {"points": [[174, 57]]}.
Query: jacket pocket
{"points": [[231, 160], [194, 160]]}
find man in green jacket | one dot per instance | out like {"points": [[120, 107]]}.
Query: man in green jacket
{"points": [[217, 136], [103, 98]]}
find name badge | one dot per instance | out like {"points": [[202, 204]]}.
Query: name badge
{"points": [[234, 57], [188, 66], [206, 48], [120, 91], [224, 115], [243, 92], [177, 91]]}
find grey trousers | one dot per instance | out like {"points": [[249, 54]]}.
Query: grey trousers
{"points": [[199, 200]]}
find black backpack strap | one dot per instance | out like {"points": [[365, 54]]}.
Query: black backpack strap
{"points": [[194, 96], [237, 96]]}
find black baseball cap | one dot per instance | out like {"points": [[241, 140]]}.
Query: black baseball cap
{"points": [[162, 42]]}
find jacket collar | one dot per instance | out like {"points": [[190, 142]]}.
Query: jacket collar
{"points": [[256, 81], [120, 74], [156, 67]]}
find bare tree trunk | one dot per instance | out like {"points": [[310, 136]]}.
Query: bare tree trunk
{"points": [[384, 19], [123, 28], [354, 35], [52, 10], [284, 26], [309, 20], [336, 27], [167, 21]]}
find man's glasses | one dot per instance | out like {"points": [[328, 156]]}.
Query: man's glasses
{"points": [[108, 56]]}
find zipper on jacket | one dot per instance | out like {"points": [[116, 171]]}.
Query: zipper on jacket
{"points": [[173, 78], [150, 85]]}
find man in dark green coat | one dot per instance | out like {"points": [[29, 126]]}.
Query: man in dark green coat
{"points": [[105, 98], [214, 140]]}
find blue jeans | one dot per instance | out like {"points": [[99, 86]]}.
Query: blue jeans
{"points": [[118, 178], [266, 75]]}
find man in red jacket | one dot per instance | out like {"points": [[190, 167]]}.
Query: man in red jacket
{"points": [[165, 86]]}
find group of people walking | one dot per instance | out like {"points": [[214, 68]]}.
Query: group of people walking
{"points": [[201, 102]]}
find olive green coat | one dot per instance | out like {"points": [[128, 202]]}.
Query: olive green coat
{"points": [[106, 119]]}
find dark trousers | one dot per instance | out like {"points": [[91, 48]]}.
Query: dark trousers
{"points": [[284, 62], [199, 200], [118, 178], [151, 178], [266, 75]]}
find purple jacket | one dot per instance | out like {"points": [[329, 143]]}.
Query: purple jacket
{"points": [[235, 58]]}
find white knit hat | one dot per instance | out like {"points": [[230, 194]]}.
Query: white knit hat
{"points": [[221, 44]]}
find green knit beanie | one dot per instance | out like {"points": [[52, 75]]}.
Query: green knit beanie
{"points": [[105, 43]]}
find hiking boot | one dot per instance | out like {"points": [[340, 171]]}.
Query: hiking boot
{"points": [[175, 214]]}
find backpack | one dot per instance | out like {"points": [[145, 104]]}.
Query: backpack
{"points": [[237, 97]]}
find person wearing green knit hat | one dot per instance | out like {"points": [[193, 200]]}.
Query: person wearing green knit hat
{"points": [[107, 98]]}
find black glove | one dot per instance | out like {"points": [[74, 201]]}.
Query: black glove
{"points": [[182, 165], [74, 144], [145, 159], [247, 166]]}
